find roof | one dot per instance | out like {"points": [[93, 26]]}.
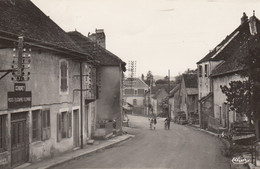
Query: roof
{"points": [[174, 90], [23, 18], [135, 83], [190, 80], [103, 56], [233, 63], [231, 43]]}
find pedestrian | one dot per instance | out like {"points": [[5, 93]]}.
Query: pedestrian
{"points": [[154, 123], [167, 123], [151, 123]]}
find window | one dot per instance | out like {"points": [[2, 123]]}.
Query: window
{"points": [[200, 71], [41, 125], [206, 71], [129, 91], [64, 125], [36, 131], [3, 133], [140, 91], [46, 126], [134, 102], [64, 76], [135, 92]]}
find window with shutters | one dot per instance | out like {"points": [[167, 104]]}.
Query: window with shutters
{"points": [[41, 128], [200, 71], [64, 125], [3, 133], [64, 76], [206, 70]]}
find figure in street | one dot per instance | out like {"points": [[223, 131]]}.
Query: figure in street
{"points": [[154, 123], [167, 123]]}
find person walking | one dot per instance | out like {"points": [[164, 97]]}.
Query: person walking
{"points": [[167, 123], [154, 123]]}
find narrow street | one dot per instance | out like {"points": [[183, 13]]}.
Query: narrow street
{"points": [[181, 147]]}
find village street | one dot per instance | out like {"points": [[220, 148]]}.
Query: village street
{"points": [[181, 147]]}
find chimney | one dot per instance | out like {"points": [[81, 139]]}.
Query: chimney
{"points": [[252, 24], [99, 37], [244, 18]]}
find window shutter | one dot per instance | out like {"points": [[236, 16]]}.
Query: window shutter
{"points": [[64, 76], [43, 122], [58, 127], [69, 124]]}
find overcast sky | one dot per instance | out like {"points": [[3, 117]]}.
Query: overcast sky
{"points": [[158, 34]]}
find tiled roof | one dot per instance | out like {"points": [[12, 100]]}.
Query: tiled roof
{"points": [[191, 80], [99, 53], [233, 63], [135, 83], [174, 90], [230, 44], [23, 18]]}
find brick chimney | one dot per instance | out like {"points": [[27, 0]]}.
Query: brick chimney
{"points": [[99, 37], [252, 24], [244, 18]]}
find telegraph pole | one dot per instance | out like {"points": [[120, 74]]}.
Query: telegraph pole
{"points": [[169, 88]]}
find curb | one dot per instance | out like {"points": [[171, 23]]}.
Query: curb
{"points": [[86, 153]]}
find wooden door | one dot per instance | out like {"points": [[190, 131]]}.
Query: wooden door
{"points": [[19, 139], [76, 127]]}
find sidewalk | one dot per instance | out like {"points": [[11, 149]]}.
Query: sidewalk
{"points": [[87, 150]]}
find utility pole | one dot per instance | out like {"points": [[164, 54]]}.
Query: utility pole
{"points": [[169, 88]]}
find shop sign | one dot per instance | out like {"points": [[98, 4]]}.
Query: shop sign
{"points": [[19, 99], [19, 87]]}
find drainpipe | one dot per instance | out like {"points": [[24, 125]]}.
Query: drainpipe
{"points": [[81, 107]]}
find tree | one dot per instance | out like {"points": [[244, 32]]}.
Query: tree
{"points": [[238, 97], [149, 78]]}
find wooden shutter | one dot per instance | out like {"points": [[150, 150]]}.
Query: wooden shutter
{"points": [[58, 127], [69, 133], [64, 76], [43, 124]]}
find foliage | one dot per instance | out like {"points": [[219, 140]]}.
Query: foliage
{"points": [[238, 96], [149, 78]]}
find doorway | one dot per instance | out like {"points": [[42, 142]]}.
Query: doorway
{"points": [[19, 139]]}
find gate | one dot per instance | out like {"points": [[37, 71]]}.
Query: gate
{"points": [[19, 139]]}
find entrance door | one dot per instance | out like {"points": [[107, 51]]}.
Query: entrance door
{"points": [[76, 127], [19, 138]]}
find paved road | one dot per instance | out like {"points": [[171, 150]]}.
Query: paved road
{"points": [[181, 147]]}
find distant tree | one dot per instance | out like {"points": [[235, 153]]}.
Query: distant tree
{"points": [[149, 78]]}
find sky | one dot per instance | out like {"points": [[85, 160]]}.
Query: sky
{"points": [[160, 35]]}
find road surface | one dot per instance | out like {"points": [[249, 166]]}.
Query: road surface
{"points": [[181, 147]]}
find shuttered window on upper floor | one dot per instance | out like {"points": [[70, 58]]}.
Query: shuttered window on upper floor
{"points": [[63, 76], [200, 71]]}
